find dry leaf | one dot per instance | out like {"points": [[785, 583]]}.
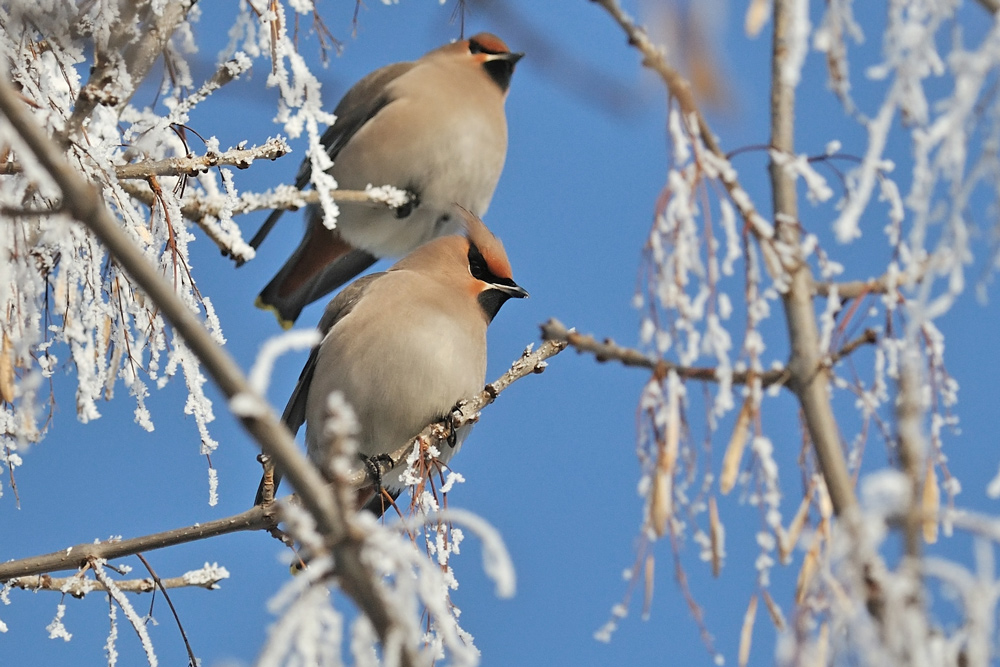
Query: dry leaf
{"points": [[660, 505], [822, 644], [758, 13], [788, 540], [648, 593], [774, 611], [746, 634], [810, 564], [734, 451], [6, 370], [716, 534]]}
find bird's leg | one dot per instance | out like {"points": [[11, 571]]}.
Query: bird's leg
{"points": [[374, 466], [452, 438]]}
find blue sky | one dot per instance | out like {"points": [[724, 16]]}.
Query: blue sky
{"points": [[552, 464]]}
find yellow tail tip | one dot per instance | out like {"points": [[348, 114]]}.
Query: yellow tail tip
{"points": [[263, 305]]}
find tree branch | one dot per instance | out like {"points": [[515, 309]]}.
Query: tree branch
{"points": [[810, 387], [203, 210], [192, 165], [554, 330], [137, 57], [189, 165], [256, 518], [83, 201], [207, 577]]}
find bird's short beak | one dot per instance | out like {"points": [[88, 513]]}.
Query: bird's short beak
{"points": [[512, 58], [514, 291]]}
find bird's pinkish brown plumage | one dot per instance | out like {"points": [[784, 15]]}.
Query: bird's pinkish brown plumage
{"points": [[434, 127], [404, 346]]}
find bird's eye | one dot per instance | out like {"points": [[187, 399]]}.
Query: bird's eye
{"points": [[484, 44], [477, 265]]}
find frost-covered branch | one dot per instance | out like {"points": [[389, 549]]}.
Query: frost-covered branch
{"points": [[77, 556], [121, 52], [608, 350], [83, 201], [283, 197], [204, 210], [207, 577], [811, 388], [190, 165], [891, 280]]}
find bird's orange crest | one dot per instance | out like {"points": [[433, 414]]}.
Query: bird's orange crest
{"points": [[489, 245], [486, 42]]}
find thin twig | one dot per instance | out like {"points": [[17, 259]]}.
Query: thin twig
{"points": [[554, 330], [137, 57], [188, 165], [75, 557], [163, 589], [78, 586]]}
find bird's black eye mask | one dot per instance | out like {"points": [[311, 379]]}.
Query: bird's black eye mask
{"points": [[489, 299], [480, 270]]}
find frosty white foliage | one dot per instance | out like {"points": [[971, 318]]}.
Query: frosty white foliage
{"points": [[213, 487], [56, 628], [59, 292], [798, 43], [935, 95], [133, 618], [274, 347], [207, 575], [497, 563], [886, 493], [386, 194], [310, 629], [110, 647]]}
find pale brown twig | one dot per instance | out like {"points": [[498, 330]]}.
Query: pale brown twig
{"points": [[78, 586], [188, 165], [256, 518], [810, 387], [609, 350]]}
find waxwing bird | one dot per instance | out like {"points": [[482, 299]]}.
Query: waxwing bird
{"points": [[435, 128], [405, 346]]}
